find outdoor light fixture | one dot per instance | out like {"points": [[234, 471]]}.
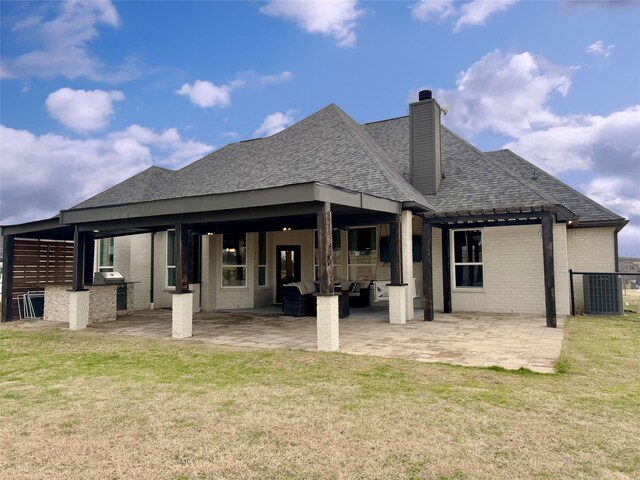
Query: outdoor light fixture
{"points": [[286, 229]]}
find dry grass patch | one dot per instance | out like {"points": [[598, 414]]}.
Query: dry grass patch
{"points": [[88, 405]]}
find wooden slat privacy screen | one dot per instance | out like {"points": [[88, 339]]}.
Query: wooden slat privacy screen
{"points": [[39, 262]]}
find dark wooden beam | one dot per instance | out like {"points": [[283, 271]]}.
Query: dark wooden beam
{"points": [[325, 251], [446, 270], [470, 217], [490, 223], [89, 250], [78, 259], [549, 275], [395, 252], [8, 250], [182, 258], [427, 271]]}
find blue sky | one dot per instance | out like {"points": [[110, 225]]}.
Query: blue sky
{"points": [[92, 93]]}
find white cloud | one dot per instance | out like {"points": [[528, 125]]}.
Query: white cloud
{"points": [[475, 12], [426, 10], [599, 49], [82, 110], [230, 134], [42, 174], [509, 95], [281, 77], [334, 18], [506, 94], [620, 194], [274, 123], [64, 43], [206, 94], [586, 142]]}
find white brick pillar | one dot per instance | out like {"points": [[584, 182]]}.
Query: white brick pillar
{"points": [[197, 292], [406, 235], [397, 304], [327, 322], [182, 315], [78, 309]]}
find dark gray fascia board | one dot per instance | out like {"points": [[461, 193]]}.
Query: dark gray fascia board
{"points": [[289, 194], [415, 207], [564, 214], [213, 217], [50, 224], [618, 224], [350, 198]]}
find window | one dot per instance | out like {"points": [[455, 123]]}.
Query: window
{"points": [[363, 253], [467, 258], [105, 255], [234, 260], [385, 249], [262, 259], [337, 253], [171, 258]]}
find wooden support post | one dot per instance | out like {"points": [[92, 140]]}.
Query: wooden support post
{"points": [[8, 250], [427, 271], [549, 275], [571, 294], [395, 252], [89, 250], [78, 259], [446, 270], [182, 258], [325, 251]]}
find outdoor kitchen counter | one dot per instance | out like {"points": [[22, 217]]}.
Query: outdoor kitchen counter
{"points": [[102, 302]]}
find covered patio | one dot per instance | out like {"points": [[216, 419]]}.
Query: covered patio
{"points": [[470, 339]]}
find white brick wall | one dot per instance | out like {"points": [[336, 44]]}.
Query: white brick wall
{"points": [[590, 250], [513, 272], [514, 280]]}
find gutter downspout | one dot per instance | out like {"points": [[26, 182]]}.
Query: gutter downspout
{"points": [[151, 285]]}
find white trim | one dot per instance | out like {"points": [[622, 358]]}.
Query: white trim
{"points": [[99, 268], [166, 260], [453, 264], [266, 260], [223, 266], [377, 256]]}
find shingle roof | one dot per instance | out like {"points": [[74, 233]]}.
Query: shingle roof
{"points": [[150, 184], [586, 209], [471, 180], [327, 147], [330, 147]]}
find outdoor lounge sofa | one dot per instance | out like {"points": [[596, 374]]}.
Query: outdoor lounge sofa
{"points": [[359, 294], [298, 299]]}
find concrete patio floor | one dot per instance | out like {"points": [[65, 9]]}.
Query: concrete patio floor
{"points": [[472, 339]]}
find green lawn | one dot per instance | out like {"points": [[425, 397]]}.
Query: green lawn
{"points": [[88, 405]]}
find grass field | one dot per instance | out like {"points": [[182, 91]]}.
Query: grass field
{"points": [[87, 405]]}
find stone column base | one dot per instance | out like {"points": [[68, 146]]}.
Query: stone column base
{"points": [[328, 323], [397, 304], [182, 315], [78, 309]]}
